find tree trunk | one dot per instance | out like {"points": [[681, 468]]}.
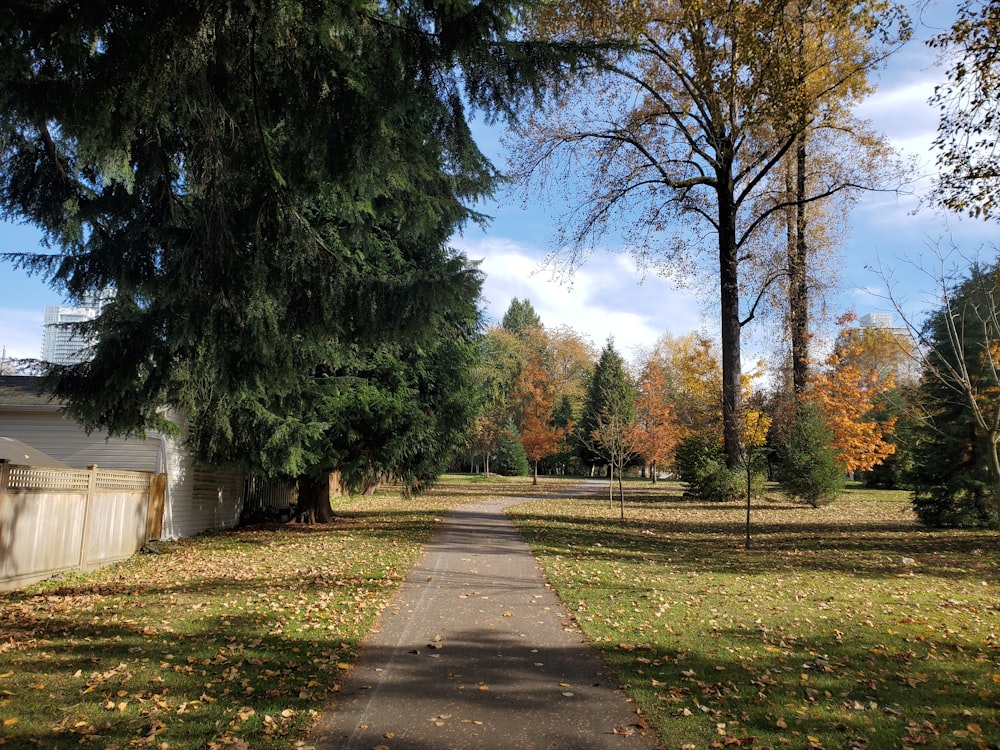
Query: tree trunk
{"points": [[798, 294], [621, 491], [314, 496], [995, 469], [534, 479], [611, 486], [729, 298]]}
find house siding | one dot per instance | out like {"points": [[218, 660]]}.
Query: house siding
{"points": [[62, 438], [197, 497]]}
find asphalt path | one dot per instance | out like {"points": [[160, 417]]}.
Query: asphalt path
{"points": [[476, 652]]}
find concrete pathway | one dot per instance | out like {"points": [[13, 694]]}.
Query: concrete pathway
{"points": [[477, 653]]}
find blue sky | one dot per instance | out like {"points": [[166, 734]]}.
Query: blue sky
{"points": [[607, 296]]}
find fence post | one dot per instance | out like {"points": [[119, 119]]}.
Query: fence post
{"points": [[85, 532], [154, 506], [4, 477]]}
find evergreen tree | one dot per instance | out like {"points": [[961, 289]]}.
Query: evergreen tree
{"points": [[563, 418], [268, 187], [808, 467], [609, 395], [402, 413], [511, 461], [521, 317], [894, 472], [956, 474]]}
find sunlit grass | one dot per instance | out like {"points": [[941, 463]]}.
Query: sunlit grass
{"points": [[842, 627], [848, 626]]}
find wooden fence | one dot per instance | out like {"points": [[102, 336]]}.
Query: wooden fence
{"points": [[54, 520]]}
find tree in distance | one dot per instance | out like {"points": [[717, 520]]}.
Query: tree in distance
{"points": [[539, 435], [683, 124]]}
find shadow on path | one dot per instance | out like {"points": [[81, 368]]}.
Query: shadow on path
{"points": [[477, 652]]}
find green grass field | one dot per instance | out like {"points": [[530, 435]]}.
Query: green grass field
{"points": [[843, 627], [848, 626]]}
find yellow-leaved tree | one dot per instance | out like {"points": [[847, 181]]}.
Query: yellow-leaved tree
{"points": [[675, 135]]}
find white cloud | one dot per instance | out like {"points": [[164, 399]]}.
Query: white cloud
{"points": [[605, 298]]}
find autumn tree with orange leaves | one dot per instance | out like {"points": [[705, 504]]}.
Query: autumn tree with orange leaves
{"points": [[539, 436], [849, 396], [656, 430]]}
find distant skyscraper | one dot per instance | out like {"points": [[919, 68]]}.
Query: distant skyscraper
{"points": [[877, 320], [62, 343]]}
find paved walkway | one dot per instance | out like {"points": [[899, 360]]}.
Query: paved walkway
{"points": [[477, 653]]}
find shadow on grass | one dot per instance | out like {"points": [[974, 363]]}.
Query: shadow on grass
{"points": [[839, 692], [121, 684], [711, 538]]}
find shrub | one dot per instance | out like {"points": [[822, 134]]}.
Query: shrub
{"points": [[511, 459], [701, 464], [807, 465], [961, 501]]}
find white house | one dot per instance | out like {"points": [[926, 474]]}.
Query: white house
{"points": [[198, 497]]}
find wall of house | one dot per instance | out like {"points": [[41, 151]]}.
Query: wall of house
{"points": [[199, 497], [196, 497], [64, 439]]}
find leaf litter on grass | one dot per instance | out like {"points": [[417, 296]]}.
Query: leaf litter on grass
{"points": [[843, 627], [227, 640], [846, 626]]}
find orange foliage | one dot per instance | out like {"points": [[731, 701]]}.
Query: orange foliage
{"points": [[848, 396], [539, 437], [656, 430]]}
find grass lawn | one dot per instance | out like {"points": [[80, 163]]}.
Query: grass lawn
{"points": [[848, 626], [226, 640], [843, 627]]}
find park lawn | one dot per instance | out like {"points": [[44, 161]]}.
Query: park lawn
{"points": [[823, 634], [848, 626], [227, 640]]}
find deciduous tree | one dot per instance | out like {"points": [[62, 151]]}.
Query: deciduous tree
{"points": [[539, 435], [500, 361], [969, 111], [693, 380], [848, 395], [656, 430], [685, 125]]}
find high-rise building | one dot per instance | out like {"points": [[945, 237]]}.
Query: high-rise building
{"points": [[900, 354], [62, 342], [877, 320]]}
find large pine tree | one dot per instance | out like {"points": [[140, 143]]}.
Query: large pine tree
{"points": [[956, 474], [268, 186]]}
